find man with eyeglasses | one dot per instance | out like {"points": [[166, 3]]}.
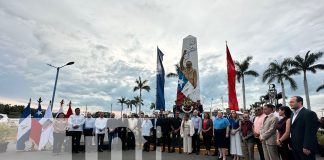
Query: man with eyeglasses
{"points": [[257, 124]]}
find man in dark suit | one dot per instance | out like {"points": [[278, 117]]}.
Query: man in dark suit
{"points": [[303, 130]]}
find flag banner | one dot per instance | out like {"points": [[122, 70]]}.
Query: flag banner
{"points": [[231, 79], [188, 91], [36, 127], [47, 128], [24, 128], [69, 112], [61, 110], [160, 101]]}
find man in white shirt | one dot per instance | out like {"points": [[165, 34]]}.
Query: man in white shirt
{"points": [[146, 132], [76, 122], [88, 130], [132, 125], [100, 125]]}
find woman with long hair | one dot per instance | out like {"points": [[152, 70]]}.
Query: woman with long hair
{"points": [[283, 133], [207, 132], [235, 138], [60, 125]]}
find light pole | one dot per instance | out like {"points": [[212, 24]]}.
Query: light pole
{"points": [[57, 72]]}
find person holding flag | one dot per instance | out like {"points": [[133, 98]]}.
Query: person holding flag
{"points": [[24, 128], [36, 127]]}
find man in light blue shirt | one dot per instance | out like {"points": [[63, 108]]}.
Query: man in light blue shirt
{"points": [[197, 123]]}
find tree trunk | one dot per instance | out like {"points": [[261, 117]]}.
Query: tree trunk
{"points": [[283, 94], [243, 90], [139, 106], [306, 91], [121, 112]]}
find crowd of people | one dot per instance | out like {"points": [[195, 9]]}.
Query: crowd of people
{"points": [[287, 133]]}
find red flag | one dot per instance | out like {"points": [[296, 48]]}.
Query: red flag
{"points": [[231, 75], [69, 112]]}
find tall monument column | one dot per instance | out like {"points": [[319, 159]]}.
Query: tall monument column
{"points": [[188, 92]]}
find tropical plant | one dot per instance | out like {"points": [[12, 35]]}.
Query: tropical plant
{"points": [[122, 101], [320, 88], [307, 64], [280, 72], [141, 85], [173, 75], [152, 106], [242, 70], [129, 104], [137, 101]]}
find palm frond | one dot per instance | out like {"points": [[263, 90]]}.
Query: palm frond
{"points": [[320, 88], [251, 73]]}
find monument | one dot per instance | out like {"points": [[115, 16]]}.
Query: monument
{"points": [[188, 91]]}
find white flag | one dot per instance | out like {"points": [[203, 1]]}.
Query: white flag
{"points": [[47, 128]]}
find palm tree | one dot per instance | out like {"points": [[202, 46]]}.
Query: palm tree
{"points": [[152, 106], [141, 85], [320, 88], [281, 72], [137, 101], [129, 104], [175, 75], [307, 64], [241, 71], [122, 101]]}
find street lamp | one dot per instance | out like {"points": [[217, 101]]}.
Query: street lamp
{"points": [[57, 72]]}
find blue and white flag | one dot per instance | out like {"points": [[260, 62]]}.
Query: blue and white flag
{"points": [[160, 101], [47, 128], [24, 128]]}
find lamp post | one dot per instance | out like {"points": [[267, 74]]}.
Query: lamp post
{"points": [[57, 73]]}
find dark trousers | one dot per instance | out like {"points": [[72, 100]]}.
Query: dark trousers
{"points": [[153, 139], [76, 136], [87, 132], [207, 140], [176, 140], [284, 151], [131, 140], [122, 135], [299, 155], [260, 149], [147, 143], [58, 142], [111, 136], [100, 141], [166, 140], [196, 142]]}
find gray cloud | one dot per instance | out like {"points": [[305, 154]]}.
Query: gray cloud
{"points": [[113, 43]]}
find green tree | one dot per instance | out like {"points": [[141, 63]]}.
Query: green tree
{"points": [[280, 72], [122, 101], [138, 102], [152, 106], [242, 70], [141, 85], [307, 64]]}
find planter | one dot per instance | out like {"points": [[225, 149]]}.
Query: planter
{"points": [[3, 146]]}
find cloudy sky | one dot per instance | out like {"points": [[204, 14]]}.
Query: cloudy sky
{"points": [[112, 42]]}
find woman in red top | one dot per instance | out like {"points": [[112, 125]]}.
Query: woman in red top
{"points": [[207, 132]]}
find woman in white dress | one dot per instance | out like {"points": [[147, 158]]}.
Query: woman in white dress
{"points": [[186, 131], [236, 148]]}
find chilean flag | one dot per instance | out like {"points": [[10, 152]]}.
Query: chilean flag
{"points": [[36, 127]]}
